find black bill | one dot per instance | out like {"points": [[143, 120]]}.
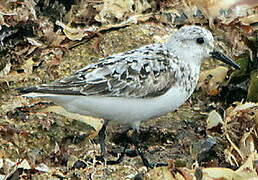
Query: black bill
{"points": [[218, 55]]}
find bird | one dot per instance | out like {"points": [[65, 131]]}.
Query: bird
{"points": [[136, 85]]}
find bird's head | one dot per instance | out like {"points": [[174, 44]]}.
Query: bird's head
{"points": [[194, 44]]}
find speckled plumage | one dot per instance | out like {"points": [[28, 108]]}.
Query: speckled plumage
{"points": [[121, 75], [135, 85]]}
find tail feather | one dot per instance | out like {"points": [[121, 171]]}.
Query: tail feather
{"points": [[26, 90], [32, 91], [45, 91]]}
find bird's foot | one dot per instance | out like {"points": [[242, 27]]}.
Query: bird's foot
{"points": [[146, 161], [135, 141], [133, 135], [120, 158]]}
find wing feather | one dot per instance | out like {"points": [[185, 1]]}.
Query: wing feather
{"points": [[128, 74]]}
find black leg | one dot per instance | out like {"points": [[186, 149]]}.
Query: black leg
{"points": [[102, 137], [135, 141]]}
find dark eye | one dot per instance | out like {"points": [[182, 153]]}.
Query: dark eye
{"points": [[200, 40]]}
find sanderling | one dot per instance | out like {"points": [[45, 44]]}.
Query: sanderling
{"points": [[136, 85]]}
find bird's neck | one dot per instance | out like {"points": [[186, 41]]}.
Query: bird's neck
{"points": [[189, 56]]}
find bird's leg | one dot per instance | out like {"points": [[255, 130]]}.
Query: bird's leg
{"points": [[134, 136], [103, 151], [102, 137], [135, 141]]}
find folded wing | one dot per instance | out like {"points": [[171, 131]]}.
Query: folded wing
{"points": [[129, 74]]}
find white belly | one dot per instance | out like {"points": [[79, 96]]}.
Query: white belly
{"points": [[120, 109]]}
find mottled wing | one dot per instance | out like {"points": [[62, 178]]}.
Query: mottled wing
{"points": [[131, 74]]}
